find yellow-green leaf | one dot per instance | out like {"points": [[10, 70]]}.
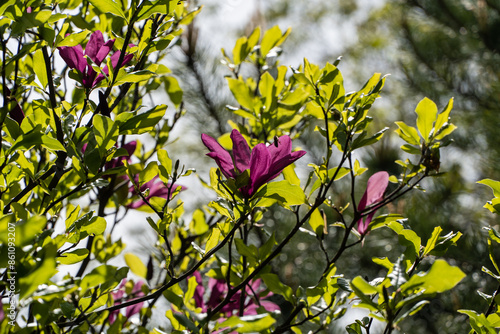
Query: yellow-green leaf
{"points": [[135, 264], [426, 116]]}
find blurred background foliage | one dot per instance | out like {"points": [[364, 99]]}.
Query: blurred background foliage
{"points": [[434, 48]]}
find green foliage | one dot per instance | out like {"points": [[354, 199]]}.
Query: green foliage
{"points": [[73, 167]]}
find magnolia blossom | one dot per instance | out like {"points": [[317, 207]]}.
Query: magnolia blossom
{"points": [[156, 189], [118, 295], [97, 51], [218, 291], [374, 193], [263, 162]]}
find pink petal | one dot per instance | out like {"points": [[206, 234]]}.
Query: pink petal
{"points": [[130, 147], [104, 51], [284, 148], [128, 57], [89, 77], [218, 290], [220, 155], [94, 45], [269, 306], [199, 292], [73, 56], [133, 309], [278, 166], [260, 161], [241, 151], [375, 188], [156, 189]]}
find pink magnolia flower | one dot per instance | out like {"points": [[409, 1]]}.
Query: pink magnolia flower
{"points": [[218, 291], [374, 193], [263, 162], [118, 295], [97, 51], [156, 189]]}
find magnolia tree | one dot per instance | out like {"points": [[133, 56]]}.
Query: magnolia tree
{"points": [[74, 163]]}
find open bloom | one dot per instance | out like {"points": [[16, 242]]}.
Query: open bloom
{"points": [[156, 189], [218, 291], [97, 51], [374, 193], [263, 162], [118, 295]]}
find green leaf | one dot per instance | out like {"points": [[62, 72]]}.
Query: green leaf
{"points": [[317, 222], [272, 38], [354, 328], [148, 173], [173, 90], [135, 264], [441, 277], [6, 5], [361, 141], [364, 290], [408, 133], [493, 205], [283, 192], [411, 149], [26, 230], [74, 39], [444, 116], [35, 138], [141, 123], [106, 132], [133, 77], [274, 284], [480, 323], [494, 185], [108, 6], [165, 161], [407, 238], [213, 239], [190, 16], [105, 275], [331, 172], [384, 262], [431, 243], [249, 324], [445, 131], [290, 175], [267, 247], [413, 310], [96, 225], [73, 257], [426, 116], [240, 50], [39, 68], [242, 93], [52, 144], [40, 275], [198, 225], [249, 251]]}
